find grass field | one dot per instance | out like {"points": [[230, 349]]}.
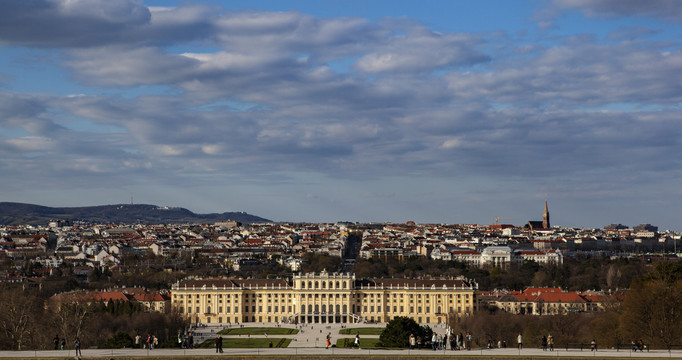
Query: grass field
{"points": [[362, 331], [364, 343], [258, 331], [247, 343]]}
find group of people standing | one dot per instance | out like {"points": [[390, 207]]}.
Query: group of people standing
{"points": [[547, 342], [61, 344], [440, 342], [150, 343]]}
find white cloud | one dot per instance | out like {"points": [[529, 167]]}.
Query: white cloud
{"points": [[451, 143], [407, 53], [31, 143], [259, 96]]}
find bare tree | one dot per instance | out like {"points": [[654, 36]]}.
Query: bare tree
{"points": [[17, 313], [70, 315], [651, 310]]}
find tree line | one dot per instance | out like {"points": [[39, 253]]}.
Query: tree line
{"points": [[28, 321], [651, 311], [576, 273]]}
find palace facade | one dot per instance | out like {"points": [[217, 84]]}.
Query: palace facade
{"points": [[323, 298]]}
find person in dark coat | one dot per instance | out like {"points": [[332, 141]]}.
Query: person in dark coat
{"points": [[77, 343], [219, 344]]}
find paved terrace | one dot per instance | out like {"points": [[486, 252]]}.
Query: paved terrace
{"points": [[310, 343]]}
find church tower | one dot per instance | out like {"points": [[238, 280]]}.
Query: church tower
{"points": [[545, 217]]}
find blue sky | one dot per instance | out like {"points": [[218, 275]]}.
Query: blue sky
{"points": [[438, 111]]}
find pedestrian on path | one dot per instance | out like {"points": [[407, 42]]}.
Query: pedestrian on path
{"points": [[77, 343], [329, 340], [357, 340], [519, 340], [543, 343]]}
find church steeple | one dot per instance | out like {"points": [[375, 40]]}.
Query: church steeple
{"points": [[545, 217]]}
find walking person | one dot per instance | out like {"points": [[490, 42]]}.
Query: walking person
{"points": [[329, 340], [357, 340], [543, 343], [550, 342], [220, 344], [56, 342], [77, 344], [413, 341], [434, 341], [519, 340]]}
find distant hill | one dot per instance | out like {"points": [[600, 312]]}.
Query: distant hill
{"points": [[28, 214]]}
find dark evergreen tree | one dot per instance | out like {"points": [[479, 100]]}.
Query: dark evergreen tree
{"points": [[398, 330], [119, 341]]}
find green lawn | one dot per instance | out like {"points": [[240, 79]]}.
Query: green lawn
{"points": [[364, 343], [247, 343], [362, 331], [258, 331]]}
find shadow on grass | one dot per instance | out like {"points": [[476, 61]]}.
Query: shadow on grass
{"points": [[362, 331], [258, 331], [246, 343]]}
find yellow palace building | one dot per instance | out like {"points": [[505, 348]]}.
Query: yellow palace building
{"points": [[322, 298]]}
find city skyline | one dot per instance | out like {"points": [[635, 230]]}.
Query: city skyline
{"points": [[444, 112]]}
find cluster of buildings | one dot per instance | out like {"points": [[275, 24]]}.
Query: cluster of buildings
{"points": [[158, 301], [320, 297], [546, 301], [236, 247], [326, 298], [227, 244]]}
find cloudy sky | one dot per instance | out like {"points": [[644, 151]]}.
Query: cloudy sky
{"points": [[383, 110]]}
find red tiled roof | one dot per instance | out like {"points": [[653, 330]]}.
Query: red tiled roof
{"points": [[465, 252], [149, 297], [109, 296], [541, 290], [567, 297]]}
